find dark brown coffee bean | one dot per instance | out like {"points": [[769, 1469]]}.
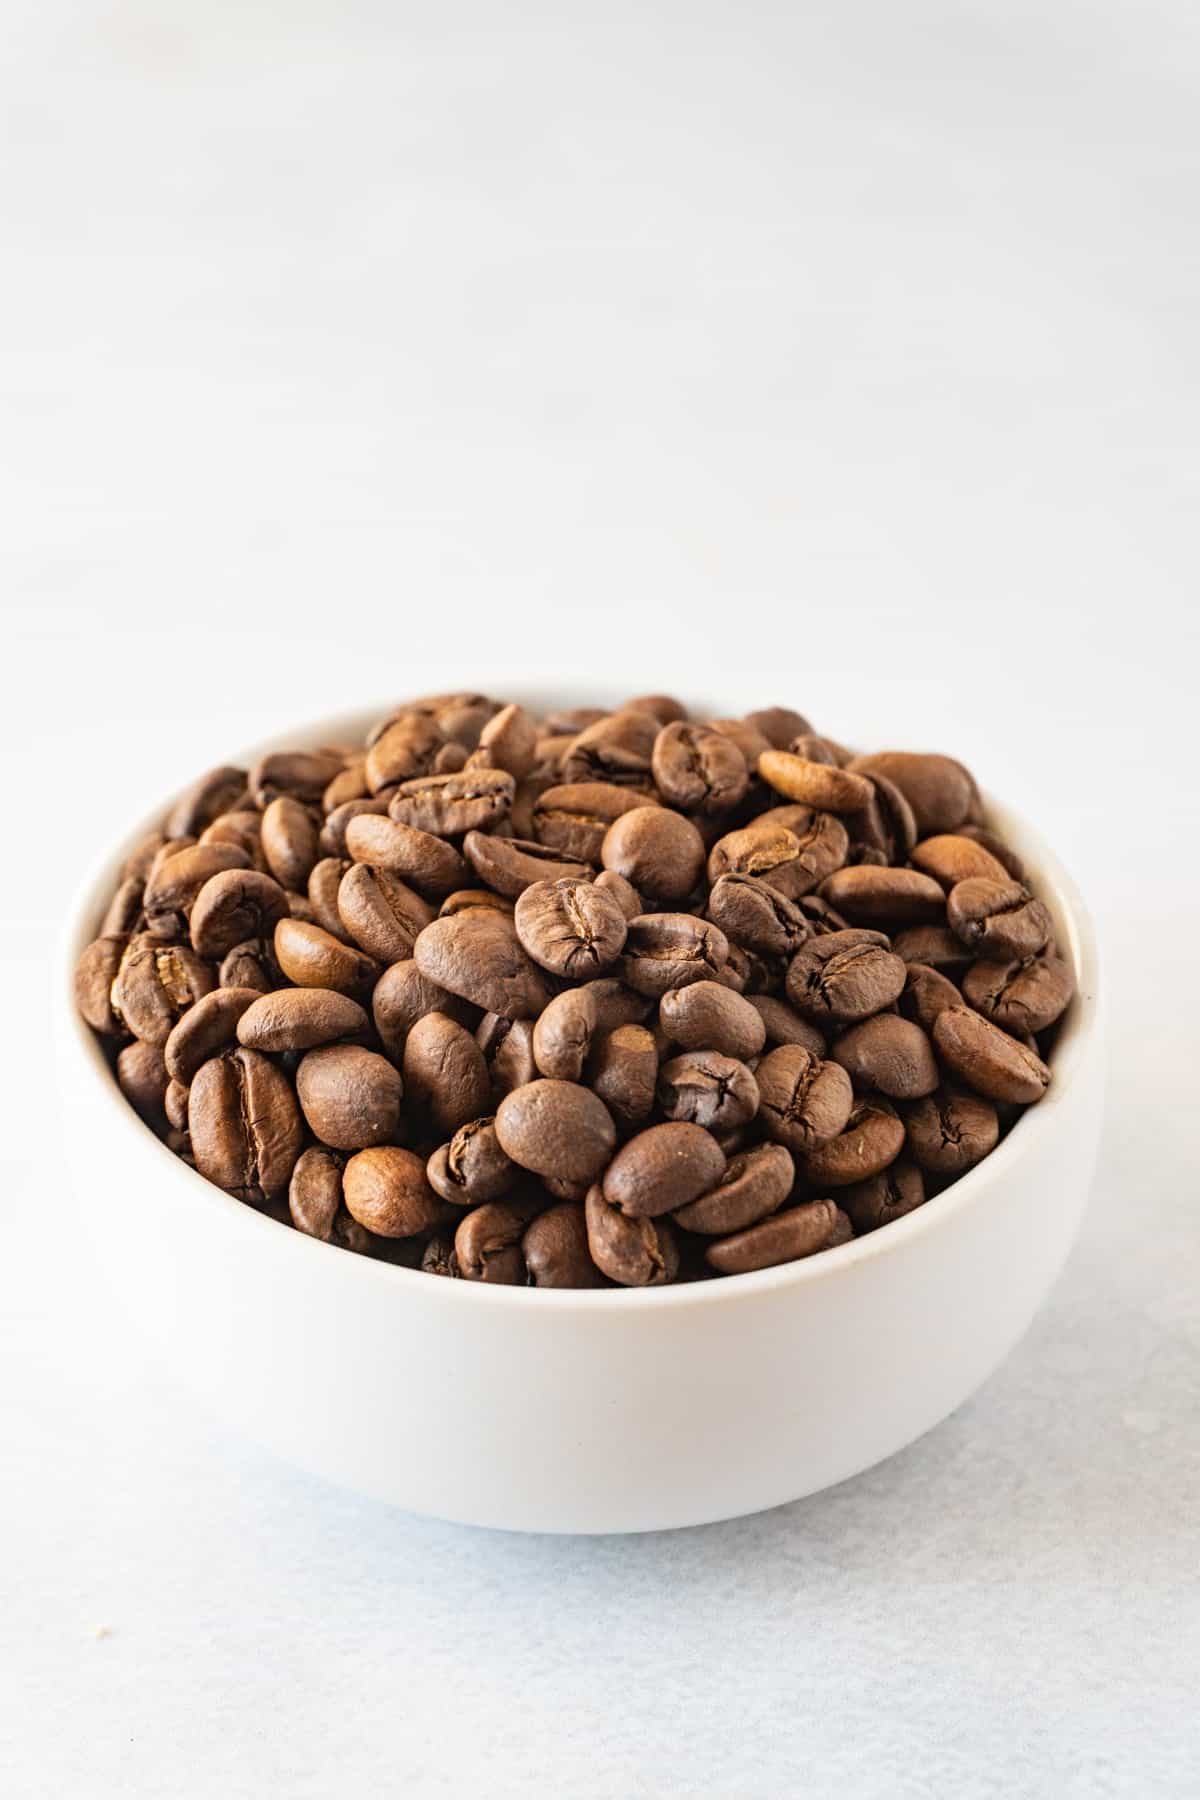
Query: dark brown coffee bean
{"points": [[873, 1138], [124, 912], [886, 828], [753, 1184], [663, 1168], [463, 899], [175, 1105], [617, 748], [784, 1024], [381, 913], [507, 1046], [888, 1054], [705, 1088], [1008, 859], [950, 1131], [555, 1248], [315, 1192], [386, 1191], [301, 1018], [242, 830], [570, 927], [314, 958], [637, 1252], [556, 1128], [802, 1100], [472, 1167], [155, 983], [951, 858], [897, 1190], [289, 842], [477, 955], [626, 896], [235, 905], [450, 805], [432, 866], [698, 769], [659, 851], [487, 1245], [406, 747], [402, 995], [779, 725], [935, 945], [622, 1067], [757, 916], [669, 950], [209, 1026], [349, 1096], [998, 920], [142, 1078], [706, 1016], [510, 865], [819, 785], [445, 1073], [562, 1036], [251, 965], [874, 896], [1021, 996], [573, 820], [617, 1004], [820, 916], [323, 885], [332, 838], [172, 888], [926, 994], [787, 1236], [304, 774], [938, 789], [843, 977], [988, 1059], [215, 792], [244, 1124], [439, 1258], [95, 973]]}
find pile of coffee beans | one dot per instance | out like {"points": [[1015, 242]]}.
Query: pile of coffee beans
{"points": [[610, 996]]}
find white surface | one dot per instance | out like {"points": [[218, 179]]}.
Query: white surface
{"points": [[619, 322], [616, 1411]]}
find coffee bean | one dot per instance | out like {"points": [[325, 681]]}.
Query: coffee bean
{"points": [[926, 994], [428, 863], [315, 1192], [616, 748], [569, 721], [242, 830], [938, 789], [622, 1068], [507, 1046], [843, 977], [669, 950], [142, 1078], [172, 887], [935, 945], [779, 725], [124, 912], [402, 995], [293, 1019], [555, 1248], [562, 1036], [332, 839], [697, 769], [208, 1026], [873, 1138], [251, 965], [311, 957], [406, 747], [950, 1131], [477, 955], [323, 885], [951, 858], [886, 827], [349, 783], [445, 1073], [755, 915], [635, 1252], [802, 1100], [175, 1105], [289, 841], [509, 741], [767, 850], [472, 1167], [303, 774], [1021, 996], [874, 896], [439, 1258], [570, 927], [487, 1245], [510, 865], [897, 1190], [463, 899], [215, 792], [787, 1236], [657, 850], [888, 1054], [663, 1168], [705, 1088], [814, 784], [154, 984], [988, 1059], [235, 905], [386, 1191], [784, 1025], [450, 805], [622, 892], [244, 1124], [706, 1015], [556, 1128], [382, 915], [1008, 859], [95, 973], [753, 1184], [999, 920], [349, 1096]]}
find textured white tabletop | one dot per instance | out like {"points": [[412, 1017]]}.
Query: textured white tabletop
{"points": [[852, 346]]}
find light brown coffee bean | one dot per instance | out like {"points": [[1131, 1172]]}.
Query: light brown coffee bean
{"points": [[450, 805], [173, 885], [938, 789], [207, 1027], [507, 1046], [632, 1252], [349, 1096], [570, 927], [154, 984], [386, 1191], [232, 906], [289, 842], [615, 749], [698, 769], [1021, 996], [463, 899], [478, 955], [304, 774], [311, 957], [659, 851], [315, 1192], [301, 1018], [427, 863], [472, 1167], [510, 865], [402, 995], [874, 896], [142, 1078], [757, 916], [819, 785], [622, 1068], [669, 950], [563, 1034], [95, 973], [382, 915], [779, 725], [844, 976], [926, 994], [988, 1059], [951, 858]]}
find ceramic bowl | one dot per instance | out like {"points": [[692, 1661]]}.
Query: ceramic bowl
{"points": [[613, 1410]]}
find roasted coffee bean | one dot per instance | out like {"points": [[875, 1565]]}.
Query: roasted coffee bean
{"points": [[332, 840], [315, 1192], [779, 725], [472, 1167], [987, 1058], [663, 1168], [235, 905], [999, 920], [843, 977], [509, 741], [556, 1128], [663, 707], [756, 916], [311, 957], [951, 858], [626, 896], [208, 1026], [349, 1096], [886, 828], [617, 1004], [402, 995], [697, 769], [289, 842], [244, 1124], [463, 899], [478, 955], [888, 1054], [616, 748], [251, 965], [669, 950], [1021, 996], [569, 721], [439, 1258], [95, 973], [570, 927], [304, 774], [428, 863], [562, 1036], [124, 912], [706, 1015], [819, 785], [1008, 859], [897, 1190], [349, 783], [154, 984], [175, 1105], [926, 994], [142, 1078], [381, 913], [406, 747], [555, 1248], [172, 888], [507, 1046], [386, 1191], [445, 1072], [784, 1025], [950, 1131], [657, 850], [705, 1088], [510, 865], [753, 1184], [802, 1100], [935, 945], [766, 850], [450, 805], [141, 858], [242, 830], [874, 896], [622, 1068], [635, 1252], [293, 1019], [323, 886], [938, 789], [873, 1138], [787, 1236], [820, 916], [749, 740], [487, 1245], [214, 793]]}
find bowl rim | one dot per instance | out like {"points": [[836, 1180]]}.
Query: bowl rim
{"points": [[1078, 1035]]}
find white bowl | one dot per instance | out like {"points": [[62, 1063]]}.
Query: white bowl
{"points": [[614, 1410]]}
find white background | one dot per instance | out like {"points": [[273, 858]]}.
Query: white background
{"points": [[350, 346]]}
